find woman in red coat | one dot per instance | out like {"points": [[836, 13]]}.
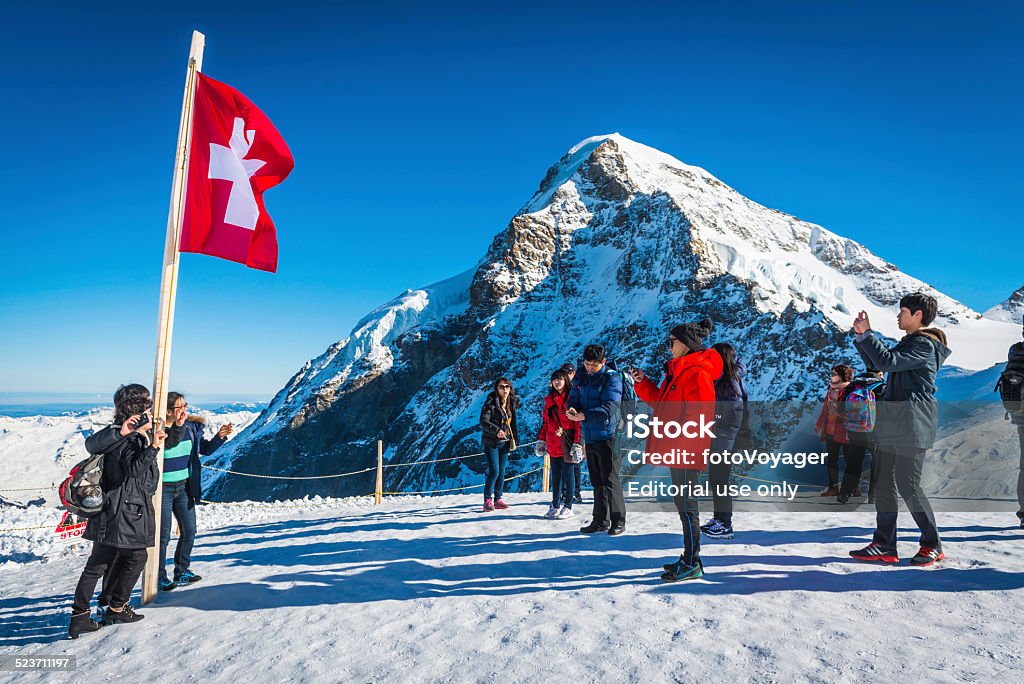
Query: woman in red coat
{"points": [[831, 428], [686, 394], [556, 438]]}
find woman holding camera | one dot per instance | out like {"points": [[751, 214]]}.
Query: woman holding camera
{"points": [[123, 530]]}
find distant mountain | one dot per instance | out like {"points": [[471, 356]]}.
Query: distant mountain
{"points": [[1011, 311], [619, 243]]}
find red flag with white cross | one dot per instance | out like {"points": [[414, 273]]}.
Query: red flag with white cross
{"points": [[236, 154]]}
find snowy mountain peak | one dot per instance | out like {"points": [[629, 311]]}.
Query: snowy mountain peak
{"points": [[619, 243], [1010, 311]]}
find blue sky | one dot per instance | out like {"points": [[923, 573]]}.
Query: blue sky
{"points": [[419, 129]]}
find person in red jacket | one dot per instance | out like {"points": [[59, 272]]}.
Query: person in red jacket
{"points": [[686, 394], [556, 438], [831, 429]]}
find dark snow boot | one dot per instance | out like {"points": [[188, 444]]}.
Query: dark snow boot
{"points": [[81, 624], [126, 614]]}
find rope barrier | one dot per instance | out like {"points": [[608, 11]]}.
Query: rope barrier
{"points": [[459, 489], [355, 472], [284, 477], [275, 504], [453, 458], [30, 489], [23, 529]]}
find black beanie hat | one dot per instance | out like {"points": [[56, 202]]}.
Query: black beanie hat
{"points": [[693, 334]]}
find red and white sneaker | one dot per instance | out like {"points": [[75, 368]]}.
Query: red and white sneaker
{"points": [[488, 505], [873, 553], [500, 505], [926, 556]]}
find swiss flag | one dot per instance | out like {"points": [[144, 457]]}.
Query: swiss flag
{"points": [[236, 154]]}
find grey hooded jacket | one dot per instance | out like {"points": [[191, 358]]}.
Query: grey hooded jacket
{"points": [[908, 414]]}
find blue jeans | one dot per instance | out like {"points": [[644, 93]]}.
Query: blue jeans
{"points": [[175, 499], [577, 481], [494, 479], [562, 482]]}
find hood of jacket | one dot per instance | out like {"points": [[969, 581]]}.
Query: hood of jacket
{"points": [[939, 338], [708, 360]]}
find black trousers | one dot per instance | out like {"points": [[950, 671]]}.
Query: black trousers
{"points": [[1020, 475], [603, 464], [128, 567], [832, 461], [854, 467], [686, 504], [718, 480], [899, 469]]}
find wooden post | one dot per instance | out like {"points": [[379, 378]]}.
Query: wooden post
{"points": [[168, 292], [545, 485], [378, 492]]}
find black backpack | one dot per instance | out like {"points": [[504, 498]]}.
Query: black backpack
{"points": [[1011, 382]]}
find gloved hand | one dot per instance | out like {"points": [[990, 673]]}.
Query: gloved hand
{"points": [[540, 449], [576, 454]]}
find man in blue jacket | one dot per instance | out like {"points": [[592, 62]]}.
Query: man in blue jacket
{"points": [[594, 401]]}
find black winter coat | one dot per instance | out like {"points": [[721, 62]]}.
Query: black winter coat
{"points": [[730, 407], [1015, 359], [130, 479], [908, 414], [492, 419]]}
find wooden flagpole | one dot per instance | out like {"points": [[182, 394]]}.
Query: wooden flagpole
{"points": [[168, 292]]}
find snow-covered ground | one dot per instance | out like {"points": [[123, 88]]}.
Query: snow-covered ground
{"points": [[430, 589]]}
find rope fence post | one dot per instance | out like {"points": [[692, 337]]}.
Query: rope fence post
{"points": [[378, 493], [545, 480]]}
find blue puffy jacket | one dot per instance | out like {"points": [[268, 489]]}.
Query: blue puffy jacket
{"points": [[598, 397]]}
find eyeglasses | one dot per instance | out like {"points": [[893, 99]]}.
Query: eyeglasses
{"points": [[670, 341], [504, 386]]}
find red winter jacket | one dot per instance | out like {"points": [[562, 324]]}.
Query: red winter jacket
{"points": [[830, 423], [687, 392], [554, 418]]}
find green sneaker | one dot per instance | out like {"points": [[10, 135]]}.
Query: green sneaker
{"points": [[681, 571]]}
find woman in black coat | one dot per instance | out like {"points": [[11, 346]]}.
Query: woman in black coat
{"points": [[123, 530], [500, 436]]}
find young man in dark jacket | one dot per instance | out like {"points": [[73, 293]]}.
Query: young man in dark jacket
{"points": [[906, 424], [594, 401], [1015, 361], [124, 529]]}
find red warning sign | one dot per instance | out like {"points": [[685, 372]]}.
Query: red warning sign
{"points": [[69, 529]]}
